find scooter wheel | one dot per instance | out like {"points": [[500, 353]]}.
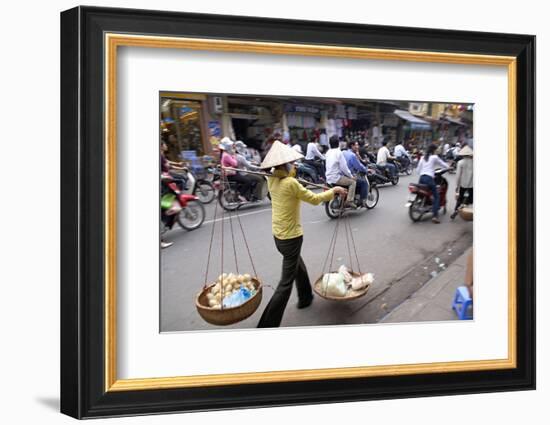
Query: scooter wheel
{"points": [[205, 191], [333, 207], [228, 199], [395, 180], [372, 198], [416, 210], [192, 216]]}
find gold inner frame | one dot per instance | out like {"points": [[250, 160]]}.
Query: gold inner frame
{"points": [[113, 41]]}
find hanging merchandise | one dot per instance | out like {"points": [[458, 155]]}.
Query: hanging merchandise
{"points": [[233, 296], [344, 284], [340, 111], [339, 126], [331, 127], [300, 121], [309, 122]]}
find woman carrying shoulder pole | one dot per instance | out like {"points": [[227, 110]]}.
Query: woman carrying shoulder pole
{"points": [[286, 195], [464, 179]]}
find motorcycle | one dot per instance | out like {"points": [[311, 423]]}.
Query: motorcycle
{"points": [[403, 165], [184, 208], [335, 207], [452, 159], [230, 198], [421, 198], [311, 171], [415, 157], [307, 173], [197, 185], [381, 175]]}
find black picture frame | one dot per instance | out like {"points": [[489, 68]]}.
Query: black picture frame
{"points": [[83, 392]]}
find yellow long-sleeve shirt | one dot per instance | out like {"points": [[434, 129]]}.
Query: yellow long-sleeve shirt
{"points": [[286, 194]]}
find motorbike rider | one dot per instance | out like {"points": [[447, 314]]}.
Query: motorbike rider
{"points": [[323, 141], [168, 214], [356, 167], [426, 170], [455, 150], [464, 178], [228, 159], [286, 194], [383, 157], [175, 169], [365, 156], [296, 146], [244, 164], [337, 172], [314, 158], [401, 155], [446, 148]]}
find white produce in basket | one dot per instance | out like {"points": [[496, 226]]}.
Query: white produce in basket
{"points": [[333, 284]]}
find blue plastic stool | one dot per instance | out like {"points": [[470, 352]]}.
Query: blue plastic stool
{"points": [[463, 304]]}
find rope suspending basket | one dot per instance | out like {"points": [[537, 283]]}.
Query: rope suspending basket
{"points": [[352, 284], [232, 297]]}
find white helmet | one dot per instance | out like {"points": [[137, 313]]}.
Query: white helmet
{"points": [[240, 146], [226, 144]]}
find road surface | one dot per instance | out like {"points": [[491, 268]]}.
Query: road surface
{"points": [[402, 255]]}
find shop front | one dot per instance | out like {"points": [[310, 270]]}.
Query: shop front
{"points": [[183, 125], [415, 132]]}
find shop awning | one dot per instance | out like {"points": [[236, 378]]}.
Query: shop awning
{"points": [[454, 121], [415, 122]]}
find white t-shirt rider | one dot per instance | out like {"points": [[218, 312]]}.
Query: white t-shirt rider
{"points": [[382, 156]]}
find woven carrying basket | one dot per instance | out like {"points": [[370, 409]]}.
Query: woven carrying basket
{"points": [[351, 294], [228, 316], [466, 213]]}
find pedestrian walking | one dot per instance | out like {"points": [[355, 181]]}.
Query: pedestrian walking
{"points": [[286, 195], [464, 179], [164, 244]]}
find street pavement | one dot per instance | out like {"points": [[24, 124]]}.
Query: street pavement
{"points": [[400, 253], [433, 301]]}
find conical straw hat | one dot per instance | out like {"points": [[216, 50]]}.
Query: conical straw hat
{"points": [[466, 151], [280, 154]]}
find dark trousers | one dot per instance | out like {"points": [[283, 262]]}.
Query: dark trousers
{"points": [[429, 181], [293, 270], [245, 182], [389, 168], [462, 196], [317, 165], [404, 160], [362, 188]]}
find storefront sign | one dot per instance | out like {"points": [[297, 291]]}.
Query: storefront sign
{"points": [[214, 132], [302, 109]]}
